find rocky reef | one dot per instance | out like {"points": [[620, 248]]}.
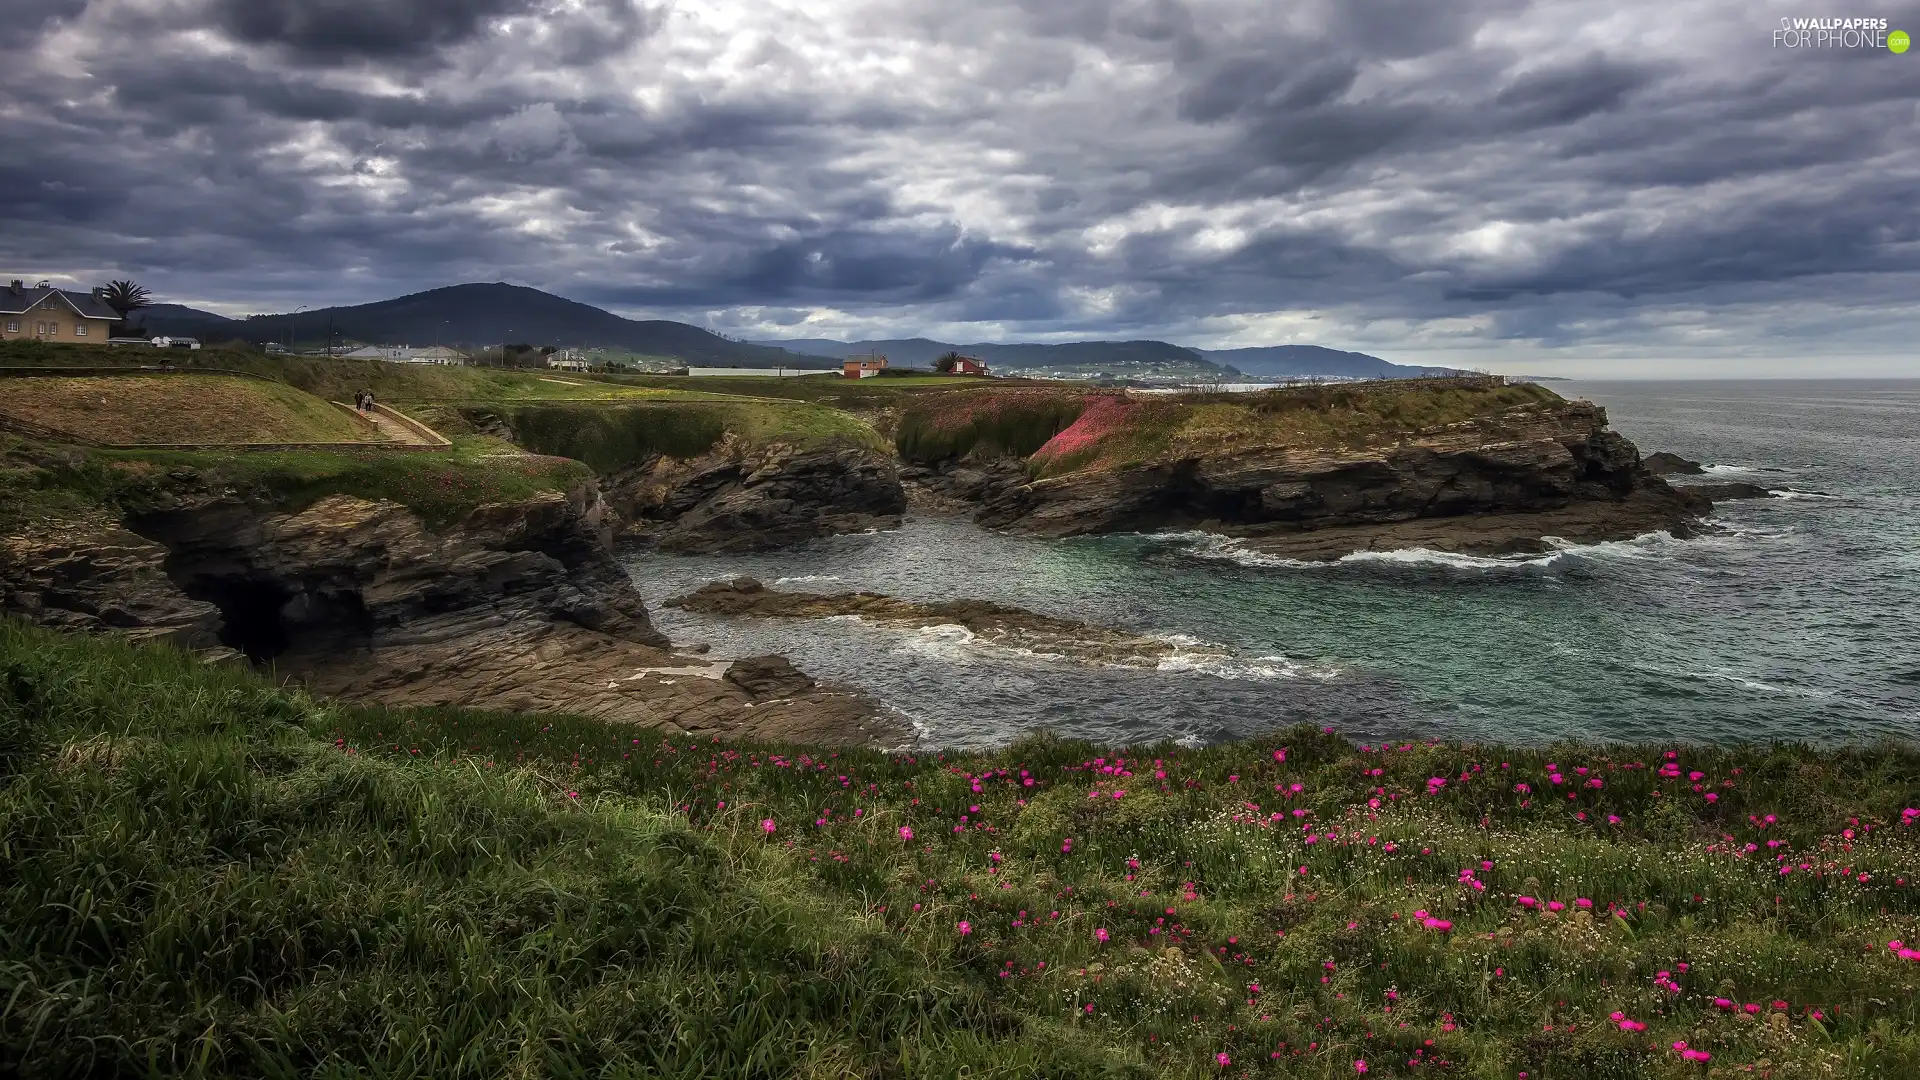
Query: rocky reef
{"points": [[515, 606], [998, 625]]}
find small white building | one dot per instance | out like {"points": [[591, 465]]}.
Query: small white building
{"points": [[567, 365]]}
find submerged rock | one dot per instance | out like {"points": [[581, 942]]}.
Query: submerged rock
{"points": [[1714, 493], [993, 624]]}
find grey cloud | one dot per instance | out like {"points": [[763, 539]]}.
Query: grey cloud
{"points": [[333, 30], [1385, 163]]}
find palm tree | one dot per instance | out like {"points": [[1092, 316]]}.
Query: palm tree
{"points": [[947, 361], [125, 297]]}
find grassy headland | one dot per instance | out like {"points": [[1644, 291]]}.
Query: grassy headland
{"points": [[204, 874], [1062, 430]]}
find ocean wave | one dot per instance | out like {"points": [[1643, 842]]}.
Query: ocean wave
{"points": [[1231, 549], [1790, 493], [801, 579], [954, 643]]}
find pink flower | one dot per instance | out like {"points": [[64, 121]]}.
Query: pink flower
{"points": [[1527, 901], [1555, 905], [964, 927], [906, 833], [1100, 935], [767, 826], [1360, 1066], [1583, 904], [1221, 1059]]}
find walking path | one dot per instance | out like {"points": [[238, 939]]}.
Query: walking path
{"points": [[394, 431]]}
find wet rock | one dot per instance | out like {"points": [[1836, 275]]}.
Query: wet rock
{"points": [[1665, 464], [990, 623], [1714, 493], [768, 676]]}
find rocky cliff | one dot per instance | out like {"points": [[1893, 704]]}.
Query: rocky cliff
{"points": [[734, 500], [1495, 483], [517, 606]]}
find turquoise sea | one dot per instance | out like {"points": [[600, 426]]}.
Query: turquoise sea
{"points": [[1791, 618]]}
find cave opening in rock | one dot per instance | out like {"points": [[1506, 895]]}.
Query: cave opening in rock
{"points": [[250, 613]]}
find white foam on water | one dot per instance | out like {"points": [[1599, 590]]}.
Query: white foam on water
{"points": [[799, 579], [1230, 549], [1789, 493]]}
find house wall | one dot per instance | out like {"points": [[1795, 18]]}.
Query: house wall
{"points": [[54, 321]]}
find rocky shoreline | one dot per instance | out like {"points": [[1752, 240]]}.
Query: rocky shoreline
{"points": [[996, 625]]}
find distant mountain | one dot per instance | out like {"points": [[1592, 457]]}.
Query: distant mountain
{"points": [[1273, 361], [178, 320], [1305, 361], [1131, 356], [480, 314]]}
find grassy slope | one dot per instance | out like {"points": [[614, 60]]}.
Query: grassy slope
{"points": [[40, 484], [206, 874], [179, 409], [564, 411]]}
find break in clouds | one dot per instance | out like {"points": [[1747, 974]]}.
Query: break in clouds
{"points": [[1611, 185]]}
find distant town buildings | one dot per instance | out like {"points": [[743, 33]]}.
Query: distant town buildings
{"points": [[406, 354], [864, 367]]}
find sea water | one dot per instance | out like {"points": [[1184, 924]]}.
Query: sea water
{"points": [[1791, 618]]}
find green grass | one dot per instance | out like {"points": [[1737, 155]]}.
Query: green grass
{"points": [[615, 437], [39, 484], [336, 379], [985, 422], [1124, 432], [829, 389], [179, 409], [204, 875]]}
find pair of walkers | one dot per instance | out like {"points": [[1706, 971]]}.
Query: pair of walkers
{"points": [[363, 401]]}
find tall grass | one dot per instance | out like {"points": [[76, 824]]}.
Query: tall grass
{"points": [[989, 422], [202, 874]]}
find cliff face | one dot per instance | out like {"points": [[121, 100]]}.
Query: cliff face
{"points": [[732, 501], [518, 606], [1497, 483]]}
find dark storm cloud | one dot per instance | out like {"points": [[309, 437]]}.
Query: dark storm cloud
{"points": [[331, 30], [1180, 168]]}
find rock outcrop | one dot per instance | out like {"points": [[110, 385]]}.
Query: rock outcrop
{"points": [[1714, 493], [101, 578], [991, 624], [730, 501], [1665, 464], [1495, 484]]}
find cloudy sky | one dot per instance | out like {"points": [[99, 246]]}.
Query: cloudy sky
{"points": [[1619, 187]]}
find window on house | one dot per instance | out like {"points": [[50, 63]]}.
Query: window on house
{"points": [[13, 326], [80, 329]]}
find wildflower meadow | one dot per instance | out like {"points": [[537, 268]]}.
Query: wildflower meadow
{"points": [[205, 874]]}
